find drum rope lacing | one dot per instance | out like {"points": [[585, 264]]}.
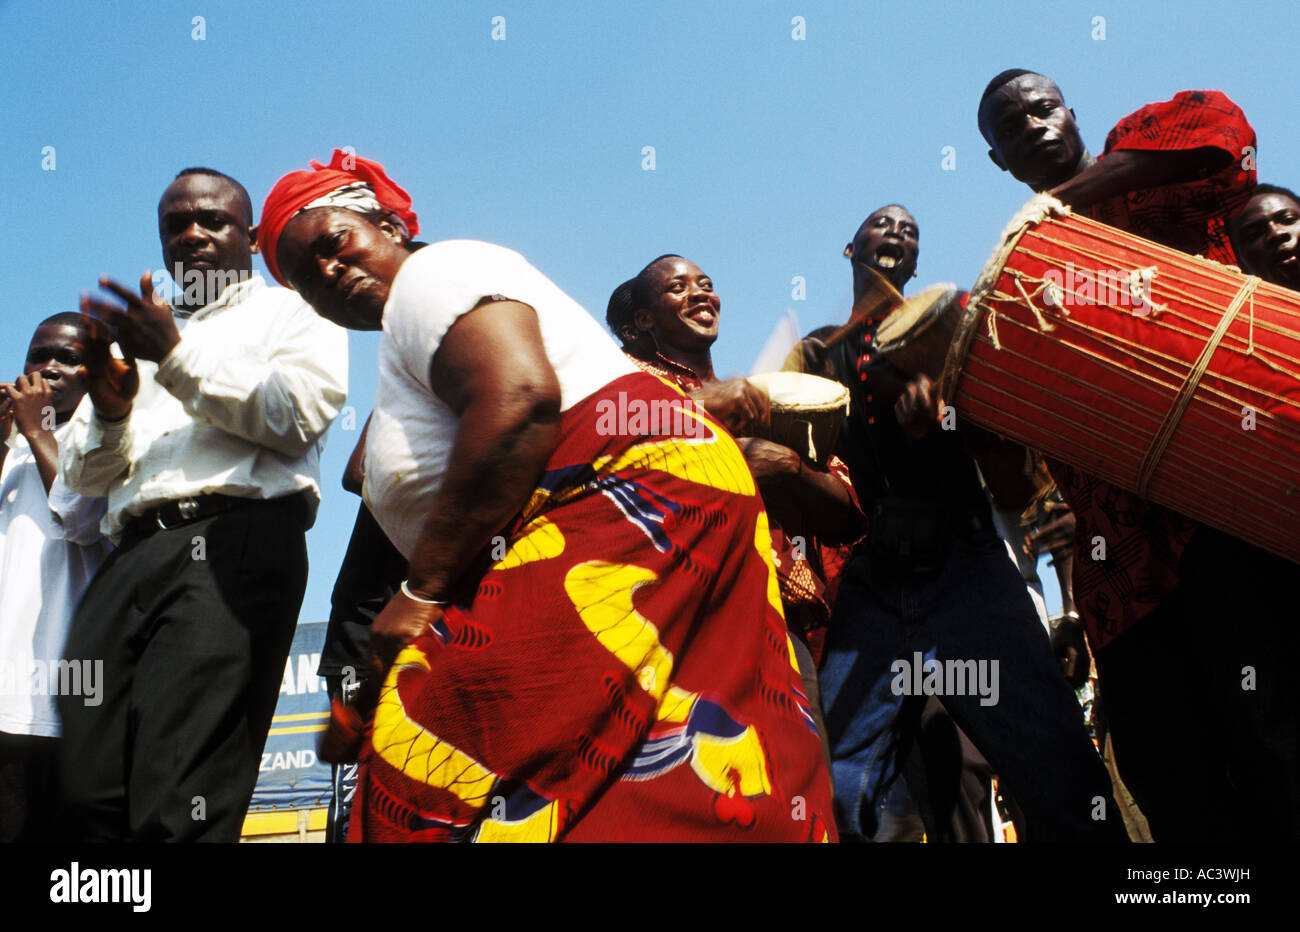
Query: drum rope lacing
{"points": [[1153, 358], [1161, 310], [1184, 397], [1224, 401], [1244, 348], [1128, 433], [1193, 461]]}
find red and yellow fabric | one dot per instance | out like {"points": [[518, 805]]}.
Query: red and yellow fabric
{"points": [[808, 574], [621, 673]]}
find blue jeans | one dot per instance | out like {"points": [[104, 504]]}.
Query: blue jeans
{"points": [[975, 609]]}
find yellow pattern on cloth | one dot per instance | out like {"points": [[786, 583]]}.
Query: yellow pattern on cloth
{"points": [[540, 540], [763, 544], [602, 595], [539, 828], [420, 754], [715, 462]]}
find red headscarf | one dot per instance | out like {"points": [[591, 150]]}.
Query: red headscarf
{"points": [[298, 189]]}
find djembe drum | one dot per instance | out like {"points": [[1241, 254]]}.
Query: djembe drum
{"points": [[1166, 374], [807, 412]]}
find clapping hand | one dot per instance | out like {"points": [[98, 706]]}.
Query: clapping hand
{"points": [[144, 328], [111, 382]]}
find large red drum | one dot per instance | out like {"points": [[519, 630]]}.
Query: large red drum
{"points": [[1166, 374]]}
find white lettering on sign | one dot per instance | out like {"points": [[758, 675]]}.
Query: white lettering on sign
{"points": [[287, 760], [305, 681]]}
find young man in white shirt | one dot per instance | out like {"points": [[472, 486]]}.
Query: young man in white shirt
{"points": [[50, 547], [206, 439]]}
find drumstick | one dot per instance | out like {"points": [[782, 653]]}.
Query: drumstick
{"points": [[882, 293]]}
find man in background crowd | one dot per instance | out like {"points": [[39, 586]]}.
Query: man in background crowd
{"points": [[50, 547]]}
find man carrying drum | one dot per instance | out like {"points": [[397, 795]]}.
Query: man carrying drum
{"points": [[1173, 172], [931, 590], [668, 318]]}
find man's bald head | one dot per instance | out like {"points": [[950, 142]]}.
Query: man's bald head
{"points": [[240, 191], [1030, 131]]}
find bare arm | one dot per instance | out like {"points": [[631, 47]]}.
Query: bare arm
{"points": [[798, 494], [33, 414], [492, 371], [1133, 170]]}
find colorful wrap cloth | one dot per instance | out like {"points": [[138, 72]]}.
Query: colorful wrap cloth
{"points": [[622, 672]]}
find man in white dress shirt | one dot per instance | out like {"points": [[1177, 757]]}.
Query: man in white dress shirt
{"points": [[205, 436]]}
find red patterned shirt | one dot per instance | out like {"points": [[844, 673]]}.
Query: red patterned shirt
{"points": [[1144, 542]]}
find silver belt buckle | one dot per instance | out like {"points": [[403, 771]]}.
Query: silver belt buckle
{"points": [[188, 508]]}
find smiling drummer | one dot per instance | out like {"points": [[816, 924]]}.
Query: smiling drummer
{"points": [[1175, 604], [668, 318]]}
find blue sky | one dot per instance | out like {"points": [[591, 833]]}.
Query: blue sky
{"points": [[769, 151]]}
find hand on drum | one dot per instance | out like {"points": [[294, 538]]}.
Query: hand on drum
{"points": [[919, 408], [742, 408]]}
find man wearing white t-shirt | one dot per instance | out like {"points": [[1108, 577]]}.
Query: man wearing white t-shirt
{"points": [[206, 439], [50, 547]]}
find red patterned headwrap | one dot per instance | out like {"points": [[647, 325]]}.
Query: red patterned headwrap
{"points": [[297, 189]]}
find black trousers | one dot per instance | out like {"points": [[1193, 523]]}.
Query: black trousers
{"points": [[1201, 699], [29, 788], [194, 626]]}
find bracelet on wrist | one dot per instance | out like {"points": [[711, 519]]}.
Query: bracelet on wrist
{"points": [[406, 591]]}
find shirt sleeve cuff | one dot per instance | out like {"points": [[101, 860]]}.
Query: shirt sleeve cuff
{"points": [[173, 371], [106, 433]]}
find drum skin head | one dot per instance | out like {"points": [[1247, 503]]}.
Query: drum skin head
{"points": [[807, 413], [800, 391], [916, 336]]}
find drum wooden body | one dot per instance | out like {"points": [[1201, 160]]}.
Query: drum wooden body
{"points": [[807, 412], [1168, 375]]}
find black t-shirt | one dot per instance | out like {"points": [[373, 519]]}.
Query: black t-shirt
{"points": [[882, 460], [371, 573]]}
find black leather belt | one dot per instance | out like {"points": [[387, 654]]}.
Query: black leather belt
{"points": [[183, 511]]}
